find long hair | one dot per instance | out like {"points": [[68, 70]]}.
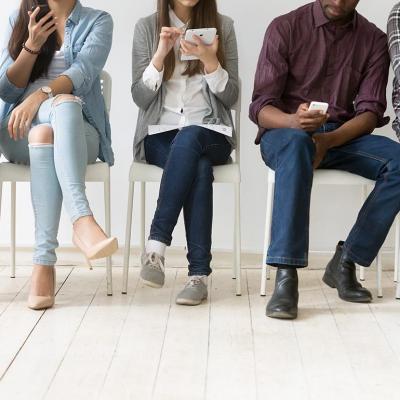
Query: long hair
{"points": [[20, 34], [204, 15]]}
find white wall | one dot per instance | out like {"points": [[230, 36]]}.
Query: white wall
{"points": [[334, 209]]}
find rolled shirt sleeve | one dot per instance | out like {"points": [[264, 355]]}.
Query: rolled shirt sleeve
{"points": [[9, 93], [153, 78], [92, 57], [272, 70], [372, 92], [217, 80]]}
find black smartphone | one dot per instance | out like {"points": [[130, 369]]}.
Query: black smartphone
{"points": [[44, 9]]}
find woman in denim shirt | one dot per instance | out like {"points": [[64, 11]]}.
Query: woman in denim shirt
{"points": [[53, 117]]}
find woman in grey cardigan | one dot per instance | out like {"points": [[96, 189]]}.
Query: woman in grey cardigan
{"points": [[184, 126]]}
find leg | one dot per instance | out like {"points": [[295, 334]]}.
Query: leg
{"points": [[378, 158], [76, 144], [290, 153]]}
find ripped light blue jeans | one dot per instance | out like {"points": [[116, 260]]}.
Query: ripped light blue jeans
{"points": [[57, 170]]}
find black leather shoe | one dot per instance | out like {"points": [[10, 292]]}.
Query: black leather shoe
{"points": [[283, 303], [341, 274]]}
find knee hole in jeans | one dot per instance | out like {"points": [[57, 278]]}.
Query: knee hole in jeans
{"points": [[41, 134], [66, 98]]}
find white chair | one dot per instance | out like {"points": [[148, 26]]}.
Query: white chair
{"points": [[143, 173], [98, 172], [327, 177]]}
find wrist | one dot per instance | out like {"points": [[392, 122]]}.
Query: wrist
{"points": [[211, 66], [32, 47], [292, 121], [158, 61]]}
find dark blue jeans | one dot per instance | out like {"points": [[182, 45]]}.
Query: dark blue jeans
{"points": [[290, 153], [187, 157]]}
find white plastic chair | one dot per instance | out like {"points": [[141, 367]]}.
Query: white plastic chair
{"points": [[98, 172], [328, 177], [143, 173]]}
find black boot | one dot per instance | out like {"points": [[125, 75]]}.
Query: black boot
{"points": [[283, 303], [341, 274]]}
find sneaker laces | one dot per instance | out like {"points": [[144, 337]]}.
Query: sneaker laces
{"points": [[154, 261], [194, 281]]}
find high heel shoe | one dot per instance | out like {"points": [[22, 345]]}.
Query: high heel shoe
{"points": [[102, 249], [43, 302]]}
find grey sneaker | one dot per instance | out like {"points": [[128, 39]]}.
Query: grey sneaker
{"points": [[152, 272], [194, 292]]}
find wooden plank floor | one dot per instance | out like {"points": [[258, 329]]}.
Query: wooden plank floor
{"points": [[143, 346]]}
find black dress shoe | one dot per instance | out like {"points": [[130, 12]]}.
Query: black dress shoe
{"points": [[341, 274], [283, 303]]}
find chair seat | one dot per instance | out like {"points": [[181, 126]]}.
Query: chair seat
{"points": [[141, 172], [332, 177], [10, 172]]}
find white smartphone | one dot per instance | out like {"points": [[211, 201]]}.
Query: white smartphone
{"points": [[207, 35], [318, 106]]}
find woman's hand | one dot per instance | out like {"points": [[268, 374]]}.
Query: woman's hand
{"points": [[41, 30], [22, 116], [168, 38], [207, 54]]}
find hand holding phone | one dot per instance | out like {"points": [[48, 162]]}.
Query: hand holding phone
{"points": [[307, 119], [194, 38], [41, 25], [319, 106]]}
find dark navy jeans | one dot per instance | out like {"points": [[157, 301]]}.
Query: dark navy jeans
{"points": [[187, 157], [290, 153]]}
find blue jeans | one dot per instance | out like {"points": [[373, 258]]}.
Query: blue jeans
{"points": [[290, 153], [187, 157], [57, 170]]}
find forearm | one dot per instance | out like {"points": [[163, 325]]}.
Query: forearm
{"points": [[358, 126], [20, 71], [271, 117]]}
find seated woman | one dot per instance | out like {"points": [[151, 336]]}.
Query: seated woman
{"points": [[53, 117], [184, 108]]}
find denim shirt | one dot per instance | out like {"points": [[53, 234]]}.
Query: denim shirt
{"points": [[87, 43]]}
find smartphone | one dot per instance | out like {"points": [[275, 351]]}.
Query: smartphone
{"points": [[318, 106], [44, 9], [207, 35]]}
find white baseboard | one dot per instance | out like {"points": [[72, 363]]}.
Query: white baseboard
{"points": [[176, 256]]}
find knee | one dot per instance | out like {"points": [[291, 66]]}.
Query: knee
{"points": [[189, 137], [301, 141], [41, 134], [66, 98]]}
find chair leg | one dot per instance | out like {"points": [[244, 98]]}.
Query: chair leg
{"points": [[237, 242], [267, 238], [397, 250], [13, 227], [379, 275], [364, 196], [107, 208], [143, 216], [128, 233]]}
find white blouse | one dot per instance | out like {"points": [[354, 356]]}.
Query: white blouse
{"points": [[185, 103]]}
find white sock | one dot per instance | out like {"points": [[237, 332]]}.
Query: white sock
{"points": [[154, 246]]}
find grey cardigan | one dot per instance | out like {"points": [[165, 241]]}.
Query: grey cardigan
{"points": [[150, 103]]}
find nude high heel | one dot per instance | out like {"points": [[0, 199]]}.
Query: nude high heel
{"points": [[102, 249], [43, 302]]}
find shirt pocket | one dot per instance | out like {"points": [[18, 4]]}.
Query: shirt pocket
{"points": [[76, 48]]}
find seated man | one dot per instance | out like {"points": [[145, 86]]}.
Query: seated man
{"points": [[327, 52]]}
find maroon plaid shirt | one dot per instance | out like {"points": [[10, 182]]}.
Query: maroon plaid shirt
{"points": [[305, 58]]}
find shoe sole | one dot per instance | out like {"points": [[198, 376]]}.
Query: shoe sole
{"points": [[106, 251], [152, 284], [333, 286], [186, 302], [281, 315]]}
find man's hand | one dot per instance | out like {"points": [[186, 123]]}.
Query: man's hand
{"points": [[309, 121], [322, 143]]}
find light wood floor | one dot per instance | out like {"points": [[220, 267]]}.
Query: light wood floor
{"points": [[143, 346]]}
